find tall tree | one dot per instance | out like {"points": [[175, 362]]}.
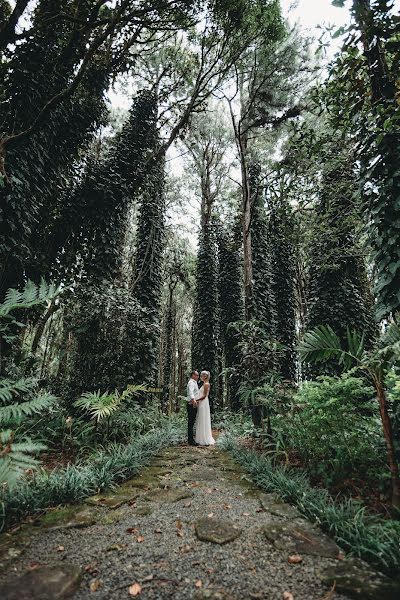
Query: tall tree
{"points": [[104, 197], [338, 292], [263, 299], [363, 98], [283, 267], [231, 308], [266, 91]]}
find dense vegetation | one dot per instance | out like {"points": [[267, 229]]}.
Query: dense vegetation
{"points": [[241, 217]]}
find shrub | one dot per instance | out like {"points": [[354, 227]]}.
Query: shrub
{"points": [[335, 429]]}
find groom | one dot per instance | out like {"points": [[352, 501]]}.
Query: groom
{"points": [[192, 394]]}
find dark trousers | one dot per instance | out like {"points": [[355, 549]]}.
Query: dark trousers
{"points": [[192, 412]]}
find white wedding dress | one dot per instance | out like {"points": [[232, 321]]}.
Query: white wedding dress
{"points": [[203, 435]]}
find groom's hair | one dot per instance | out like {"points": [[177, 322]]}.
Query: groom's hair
{"points": [[193, 372]]}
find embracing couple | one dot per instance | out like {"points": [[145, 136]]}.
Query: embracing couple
{"points": [[198, 409]]}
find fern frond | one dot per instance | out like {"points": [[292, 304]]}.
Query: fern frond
{"points": [[31, 295], [26, 409], [8, 476], [10, 388]]}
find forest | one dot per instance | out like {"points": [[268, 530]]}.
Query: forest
{"points": [[201, 184]]}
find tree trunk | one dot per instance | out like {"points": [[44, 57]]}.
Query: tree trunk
{"points": [[246, 227], [388, 433]]}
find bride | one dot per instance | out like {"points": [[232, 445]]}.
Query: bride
{"points": [[203, 435]]}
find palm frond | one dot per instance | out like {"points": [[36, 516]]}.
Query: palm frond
{"points": [[320, 344], [99, 406]]}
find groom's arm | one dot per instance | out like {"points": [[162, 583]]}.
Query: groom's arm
{"points": [[192, 394]]}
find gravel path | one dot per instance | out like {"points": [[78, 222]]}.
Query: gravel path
{"points": [[149, 544]]}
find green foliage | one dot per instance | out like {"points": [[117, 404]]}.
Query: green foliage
{"points": [[362, 97], [258, 356], [323, 343], [74, 483], [18, 401], [20, 398], [35, 71], [338, 291], [336, 432], [99, 406], [372, 538], [108, 314]]}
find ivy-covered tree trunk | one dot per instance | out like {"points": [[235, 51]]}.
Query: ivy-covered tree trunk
{"points": [[338, 290], [124, 321], [264, 301], [231, 310], [147, 273], [381, 154], [35, 169], [205, 330], [283, 267], [168, 355]]}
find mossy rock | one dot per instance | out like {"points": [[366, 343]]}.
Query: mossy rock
{"points": [[12, 545], [217, 531], [356, 579], [53, 582], [115, 499], [143, 511], [291, 537], [112, 516], [69, 517]]}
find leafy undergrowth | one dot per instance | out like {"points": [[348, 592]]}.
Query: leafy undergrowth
{"points": [[369, 537], [75, 482]]}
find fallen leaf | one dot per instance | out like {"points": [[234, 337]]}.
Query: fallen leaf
{"points": [[140, 539], [329, 595], [33, 566], [116, 547], [178, 524], [259, 510], [95, 585], [188, 504], [132, 530], [91, 568], [287, 596], [148, 578], [60, 548], [199, 583], [180, 533], [295, 559], [246, 514], [227, 506], [157, 531], [135, 589], [210, 570], [210, 515]]}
